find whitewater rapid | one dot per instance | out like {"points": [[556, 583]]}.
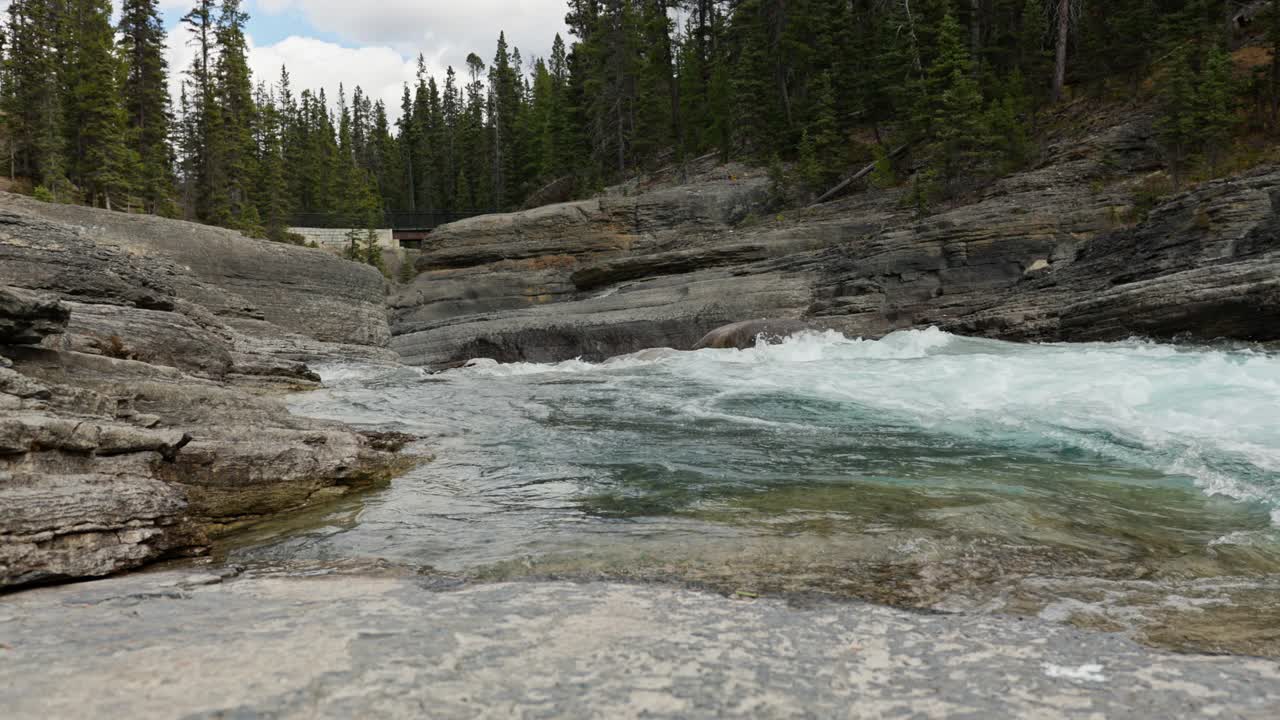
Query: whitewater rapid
{"points": [[1211, 415]]}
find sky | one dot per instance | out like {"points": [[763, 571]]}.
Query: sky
{"points": [[375, 43]]}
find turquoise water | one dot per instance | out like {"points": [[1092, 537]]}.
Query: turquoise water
{"points": [[924, 468]]}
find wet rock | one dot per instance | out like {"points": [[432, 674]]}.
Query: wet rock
{"points": [[747, 334]]}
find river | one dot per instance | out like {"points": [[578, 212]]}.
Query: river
{"points": [[1124, 486]]}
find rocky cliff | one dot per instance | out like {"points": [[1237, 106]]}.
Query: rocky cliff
{"points": [[1064, 251], [138, 378]]}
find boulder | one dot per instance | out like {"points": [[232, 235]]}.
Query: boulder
{"points": [[742, 335]]}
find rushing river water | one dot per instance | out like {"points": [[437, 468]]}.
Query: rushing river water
{"points": [[1125, 486]]}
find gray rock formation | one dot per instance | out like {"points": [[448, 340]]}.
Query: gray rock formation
{"points": [[597, 278], [1059, 252], [310, 293], [27, 318], [136, 421], [363, 645]]}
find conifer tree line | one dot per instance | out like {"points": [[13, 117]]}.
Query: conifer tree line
{"points": [[936, 92]]}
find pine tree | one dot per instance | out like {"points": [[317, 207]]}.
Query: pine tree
{"points": [[451, 112], [1062, 19], [558, 141], [33, 99], [1216, 105], [234, 96], [504, 118], [270, 189], [758, 114], [657, 100], [388, 167], [1177, 125], [476, 171], [95, 117], [821, 151], [203, 162], [145, 93], [949, 118], [1035, 60]]}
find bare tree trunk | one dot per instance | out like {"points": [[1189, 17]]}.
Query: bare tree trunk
{"points": [[499, 191], [856, 177], [915, 42], [622, 147], [1060, 66]]}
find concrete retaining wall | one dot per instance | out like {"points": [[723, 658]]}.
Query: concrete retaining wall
{"points": [[336, 239]]}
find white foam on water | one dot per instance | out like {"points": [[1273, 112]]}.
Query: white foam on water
{"points": [[351, 372], [1091, 672], [1209, 414]]}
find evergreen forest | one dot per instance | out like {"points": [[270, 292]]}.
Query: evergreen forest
{"points": [[936, 95]]}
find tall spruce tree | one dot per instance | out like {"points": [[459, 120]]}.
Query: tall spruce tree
{"points": [[233, 92], [949, 121], [95, 117], [145, 94], [202, 147], [33, 94], [270, 189]]}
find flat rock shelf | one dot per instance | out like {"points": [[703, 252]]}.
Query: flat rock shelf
{"points": [[172, 644]]}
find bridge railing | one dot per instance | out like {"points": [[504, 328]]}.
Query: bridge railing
{"points": [[394, 219]]}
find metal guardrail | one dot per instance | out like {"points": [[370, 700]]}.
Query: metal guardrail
{"points": [[394, 219]]}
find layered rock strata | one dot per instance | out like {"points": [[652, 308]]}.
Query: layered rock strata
{"points": [[138, 389], [1064, 251]]}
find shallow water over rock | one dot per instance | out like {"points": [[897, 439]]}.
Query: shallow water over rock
{"points": [[1124, 486]]}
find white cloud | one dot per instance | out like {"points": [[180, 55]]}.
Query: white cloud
{"points": [[446, 29], [314, 64], [382, 40], [385, 42]]}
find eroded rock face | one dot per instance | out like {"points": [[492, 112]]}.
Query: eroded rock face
{"points": [[598, 278], [137, 422], [302, 291], [1054, 253]]}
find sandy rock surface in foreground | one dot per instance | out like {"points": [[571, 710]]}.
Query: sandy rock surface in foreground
{"points": [[173, 644]]}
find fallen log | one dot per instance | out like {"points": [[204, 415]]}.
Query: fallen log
{"points": [[856, 177]]}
